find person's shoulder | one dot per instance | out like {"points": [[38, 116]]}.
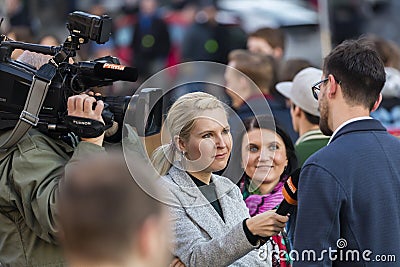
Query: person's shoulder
{"points": [[34, 140], [45, 142], [312, 144], [319, 157]]}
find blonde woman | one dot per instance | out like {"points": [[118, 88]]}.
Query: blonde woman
{"points": [[210, 219]]}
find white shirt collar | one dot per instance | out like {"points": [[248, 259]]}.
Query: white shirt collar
{"points": [[347, 122]]}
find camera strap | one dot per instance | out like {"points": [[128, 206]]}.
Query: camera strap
{"points": [[30, 115]]}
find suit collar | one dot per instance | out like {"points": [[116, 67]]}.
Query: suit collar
{"points": [[359, 126]]}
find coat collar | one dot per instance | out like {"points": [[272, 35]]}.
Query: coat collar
{"points": [[200, 210], [186, 184], [359, 126]]}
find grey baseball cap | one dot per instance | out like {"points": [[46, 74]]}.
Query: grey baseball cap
{"points": [[299, 90]]}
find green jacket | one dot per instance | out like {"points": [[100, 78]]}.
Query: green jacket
{"points": [[308, 144], [30, 173]]}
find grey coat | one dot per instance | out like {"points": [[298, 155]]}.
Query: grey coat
{"points": [[202, 238]]}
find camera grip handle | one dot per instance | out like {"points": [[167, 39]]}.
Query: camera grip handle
{"points": [[84, 127]]}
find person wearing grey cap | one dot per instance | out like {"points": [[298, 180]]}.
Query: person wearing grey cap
{"points": [[304, 112]]}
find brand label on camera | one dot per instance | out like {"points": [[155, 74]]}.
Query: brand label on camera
{"points": [[113, 66], [82, 122]]}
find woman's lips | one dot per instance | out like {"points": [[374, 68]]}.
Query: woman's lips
{"points": [[221, 155]]}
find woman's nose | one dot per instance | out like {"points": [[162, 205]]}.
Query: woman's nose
{"points": [[265, 154], [220, 141]]}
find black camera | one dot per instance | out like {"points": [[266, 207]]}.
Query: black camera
{"points": [[72, 78]]}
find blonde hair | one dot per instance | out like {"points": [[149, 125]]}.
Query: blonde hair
{"points": [[179, 122]]}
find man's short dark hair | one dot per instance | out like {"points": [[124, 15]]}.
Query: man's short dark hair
{"points": [[359, 69], [274, 37], [102, 208]]}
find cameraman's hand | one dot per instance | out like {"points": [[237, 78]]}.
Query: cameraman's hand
{"points": [[267, 224], [82, 106]]}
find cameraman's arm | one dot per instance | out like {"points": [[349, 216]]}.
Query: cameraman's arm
{"points": [[39, 163], [82, 106], [37, 166]]}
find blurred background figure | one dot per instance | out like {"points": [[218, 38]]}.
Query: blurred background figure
{"points": [[49, 39], [267, 41], [151, 40], [106, 219], [347, 18], [21, 34], [388, 112], [251, 97], [291, 67], [207, 39], [18, 14], [271, 42], [304, 112]]}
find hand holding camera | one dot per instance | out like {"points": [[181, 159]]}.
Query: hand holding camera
{"points": [[82, 107]]}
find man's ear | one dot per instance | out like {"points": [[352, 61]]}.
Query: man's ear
{"points": [[278, 52], [146, 239], [296, 111], [377, 103], [333, 87]]}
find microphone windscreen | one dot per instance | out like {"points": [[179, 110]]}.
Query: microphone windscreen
{"points": [[289, 190]]}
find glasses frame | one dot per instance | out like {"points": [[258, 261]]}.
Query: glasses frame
{"points": [[316, 88]]}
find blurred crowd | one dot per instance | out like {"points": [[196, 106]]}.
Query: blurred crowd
{"points": [[153, 35]]}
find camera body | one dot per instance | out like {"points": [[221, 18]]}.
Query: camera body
{"points": [[70, 79]]}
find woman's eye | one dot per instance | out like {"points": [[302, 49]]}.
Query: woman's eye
{"points": [[226, 131], [253, 148], [206, 136], [273, 147]]}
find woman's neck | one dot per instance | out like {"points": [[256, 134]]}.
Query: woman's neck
{"points": [[265, 188], [205, 177]]}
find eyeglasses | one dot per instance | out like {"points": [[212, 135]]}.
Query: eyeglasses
{"points": [[316, 88]]}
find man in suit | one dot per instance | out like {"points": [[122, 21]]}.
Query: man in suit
{"points": [[348, 195]]}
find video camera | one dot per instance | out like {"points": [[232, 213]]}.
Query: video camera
{"points": [[72, 78]]}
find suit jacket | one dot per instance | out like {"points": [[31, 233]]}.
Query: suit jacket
{"points": [[349, 199], [202, 238]]}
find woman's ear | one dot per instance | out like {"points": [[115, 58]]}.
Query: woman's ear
{"points": [[179, 143]]}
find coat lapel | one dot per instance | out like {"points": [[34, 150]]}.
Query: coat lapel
{"points": [[196, 205], [231, 203]]}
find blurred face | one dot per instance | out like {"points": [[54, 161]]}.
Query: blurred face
{"points": [[209, 144], [233, 85], [260, 46], [49, 40], [263, 156], [148, 6]]}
